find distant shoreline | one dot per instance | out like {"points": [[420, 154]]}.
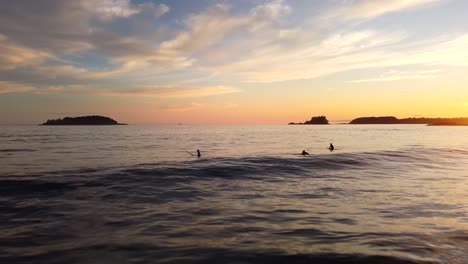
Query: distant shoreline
{"points": [[391, 120], [442, 124], [381, 120]]}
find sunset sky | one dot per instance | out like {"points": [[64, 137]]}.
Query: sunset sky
{"points": [[232, 62]]}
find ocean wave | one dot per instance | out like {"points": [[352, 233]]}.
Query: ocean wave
{"points": [[363, 207], [152, 254], [16, 150]]}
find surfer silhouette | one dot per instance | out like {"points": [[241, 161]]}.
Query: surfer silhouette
{"points": [[198, 153], [304, 153], [331, 147]]}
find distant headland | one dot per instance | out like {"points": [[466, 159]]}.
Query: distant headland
{"points": [[391, 120], [409, 121], [316, 120], [82, 121]]}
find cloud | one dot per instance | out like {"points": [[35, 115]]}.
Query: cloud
{"points": [[216, 23], [399, 75], [259, 45], [275, 62], [450, 51], [68, 27], [367, 9], [178, 92], [153, 9], [109, 9], [13, 56], [56, 25], [348, 51], [10, 87], [156, 91], [202, 32], [53, 72]]}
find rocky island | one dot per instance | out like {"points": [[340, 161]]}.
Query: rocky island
{"points": [[316, 120], [82, 121]]}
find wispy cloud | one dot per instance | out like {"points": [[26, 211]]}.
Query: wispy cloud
{"points": [[178, 92], [212, 26], [9, 87], [109, 9], [400, 75], [13, 56], [357, 51], [158, 92], [366, 9], [309, 58]]}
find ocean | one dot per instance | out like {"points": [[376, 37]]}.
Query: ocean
{"points": [[137, 194]]}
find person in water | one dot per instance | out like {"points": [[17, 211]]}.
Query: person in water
{"points": [[198, 153], [304, 153], [331, 147]]}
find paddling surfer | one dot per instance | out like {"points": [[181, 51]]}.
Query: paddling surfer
{"points": [[193, 155], [304, 153]]}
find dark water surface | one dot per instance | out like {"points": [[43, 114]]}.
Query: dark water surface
{"points": [[387, 194]]}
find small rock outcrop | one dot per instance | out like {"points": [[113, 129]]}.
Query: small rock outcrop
{"points": [[316, 120]]}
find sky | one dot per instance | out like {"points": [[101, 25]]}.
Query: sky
{"points": [[232, 62]]}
